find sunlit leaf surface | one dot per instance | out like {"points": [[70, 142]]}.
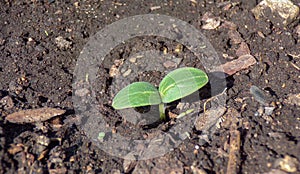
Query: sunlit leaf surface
{"points": [[180, 83], [135, 95]]}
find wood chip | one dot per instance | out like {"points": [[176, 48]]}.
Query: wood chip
{"points": [[229, 25], [243, 62], [34, 115], [242, 50], [235, 37]]}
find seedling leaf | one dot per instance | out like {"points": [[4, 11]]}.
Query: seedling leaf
{"points": [[135, 95], [180, 83]]}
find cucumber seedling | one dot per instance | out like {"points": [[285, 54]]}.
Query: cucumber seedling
{"points": [[175, 85]]}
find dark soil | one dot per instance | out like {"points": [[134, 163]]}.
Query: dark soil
{"points": [[36, 72]]}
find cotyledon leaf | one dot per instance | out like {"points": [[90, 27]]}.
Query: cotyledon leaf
{"points": [[181, 82], [135, 95]]}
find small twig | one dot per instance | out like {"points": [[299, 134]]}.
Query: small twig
{"points": [[293, 55], [295, 66], [234, 144]]}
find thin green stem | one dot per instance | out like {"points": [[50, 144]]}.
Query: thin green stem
{"points": [[162, 114]]}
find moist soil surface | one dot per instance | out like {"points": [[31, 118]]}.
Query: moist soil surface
{"points": [[40, 42]]}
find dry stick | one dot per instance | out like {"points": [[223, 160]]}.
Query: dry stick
{"points": [[235, 143]]}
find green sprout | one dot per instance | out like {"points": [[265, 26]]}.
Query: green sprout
{"points": [[175, 85]]}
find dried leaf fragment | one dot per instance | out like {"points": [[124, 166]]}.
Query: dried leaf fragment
{"points": [[34, 115]]}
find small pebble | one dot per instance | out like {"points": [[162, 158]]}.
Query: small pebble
{"points": [[63, 43], [7, 102], [118, 62], [269, 110], [114, 130], [279, 10], [170, 64], [259, 112], [258, 94], [288, 164], [43, 140], [211, 22], [126, 73], [165, 50], [132, 60], [113, 71], [178, 48]]}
